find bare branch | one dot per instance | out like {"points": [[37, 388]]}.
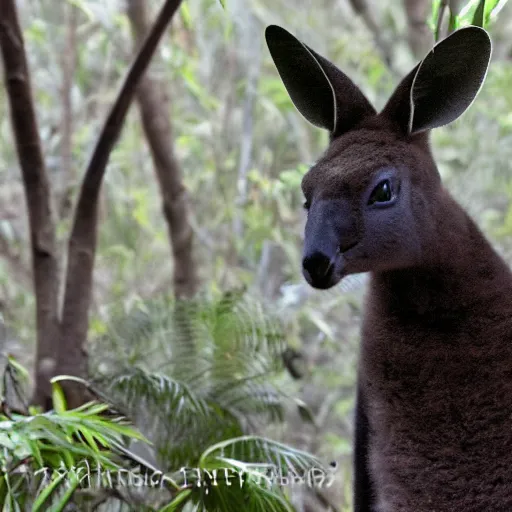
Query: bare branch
{"points": [[68, 65], [440, 18], [154, 108], [419, 34], [82, 242], [362, 9], [37, 193], [253, 58]]}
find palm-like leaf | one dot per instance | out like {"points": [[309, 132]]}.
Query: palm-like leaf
{"points": [[247, 473], [176, 394], [180, 419], [196, 376], [151, 332], [44, 457], [281, 459]]}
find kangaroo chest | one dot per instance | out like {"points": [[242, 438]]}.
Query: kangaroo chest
{"points": [[439, 406]]}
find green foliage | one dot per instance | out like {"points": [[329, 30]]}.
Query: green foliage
{"points": [[226, 484], [46, 459], [43, 456], [472, 12], [205, 62], [213, 363]]}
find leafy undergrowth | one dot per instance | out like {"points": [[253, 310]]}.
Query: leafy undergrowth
{"points": [[189, 443]]}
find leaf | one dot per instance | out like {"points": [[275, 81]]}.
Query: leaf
{"points": [[14, 379], [185, 15], [20, 370], [48, 490], [493, 8], [259, 450], [453, 23], [178, 502], [478, 17], [434, 13], [82, 5], [179, 416], [68, 494], [58, 398], [188, 401], [305, 412], [321, 324], [229, 485]]}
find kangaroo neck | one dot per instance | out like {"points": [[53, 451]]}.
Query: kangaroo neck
{"points": [[460, 272]]}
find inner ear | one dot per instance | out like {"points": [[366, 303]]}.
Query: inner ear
{"points": [[307, 84], [322, 93], [449, 79], [444, 84]]}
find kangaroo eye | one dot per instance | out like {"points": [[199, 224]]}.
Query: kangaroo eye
{"points": [[382, 193]]}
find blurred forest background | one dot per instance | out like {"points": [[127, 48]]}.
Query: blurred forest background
{"points": [[241, 149]]}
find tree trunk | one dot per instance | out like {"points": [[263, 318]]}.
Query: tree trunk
{"points": [[38, 196], [154, 109], [61, 346], [362, 8], [82, 242], [419, 34]]}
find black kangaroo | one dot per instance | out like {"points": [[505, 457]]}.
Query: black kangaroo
{"points": [[434, 394]]}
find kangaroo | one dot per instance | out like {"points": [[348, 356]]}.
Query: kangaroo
{"points": [[433, 419]]}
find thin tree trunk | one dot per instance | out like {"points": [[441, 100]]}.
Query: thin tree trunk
{"points": [[82, 242], [38, 197], [155, 113], [64, 342], [362, 8], [154, 108], [68, 65], [253, 52], [419, 35]]}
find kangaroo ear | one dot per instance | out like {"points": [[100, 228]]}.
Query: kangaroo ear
{"points": [[444, 84], [322, 93]]}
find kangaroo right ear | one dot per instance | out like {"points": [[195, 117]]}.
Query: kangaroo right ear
{"points": [[444, 84], [321, 92]]}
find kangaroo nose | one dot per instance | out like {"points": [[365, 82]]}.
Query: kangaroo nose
{"points": [[318, 267]]}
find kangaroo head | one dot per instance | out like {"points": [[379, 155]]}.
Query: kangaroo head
{"points": [[373, 198]]}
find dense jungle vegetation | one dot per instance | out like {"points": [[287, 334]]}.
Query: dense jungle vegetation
{"points": [[186, 321]]}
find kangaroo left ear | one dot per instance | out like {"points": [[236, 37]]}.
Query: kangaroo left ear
{"points": [[444, 84], [322, 93]]}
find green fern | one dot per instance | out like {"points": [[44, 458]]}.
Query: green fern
{"points": [[175, 393], [197, 384], [197, 379], [43, 456]]}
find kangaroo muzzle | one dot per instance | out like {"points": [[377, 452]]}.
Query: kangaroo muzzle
{"points": [[330, 231]]}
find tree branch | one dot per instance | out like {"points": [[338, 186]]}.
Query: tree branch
{"points": [[68, 66], [154, 109], [419, 35], [82, 242], [363, 10], [37, 193], [253, 65]]}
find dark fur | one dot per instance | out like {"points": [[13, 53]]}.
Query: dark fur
{"points": [[434, 404], [436, 355]]}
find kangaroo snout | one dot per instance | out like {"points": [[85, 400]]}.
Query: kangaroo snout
{"points": [[318, 269], [330, 231]]}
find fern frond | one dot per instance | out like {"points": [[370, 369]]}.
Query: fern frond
{"points": [[284, 459]]}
